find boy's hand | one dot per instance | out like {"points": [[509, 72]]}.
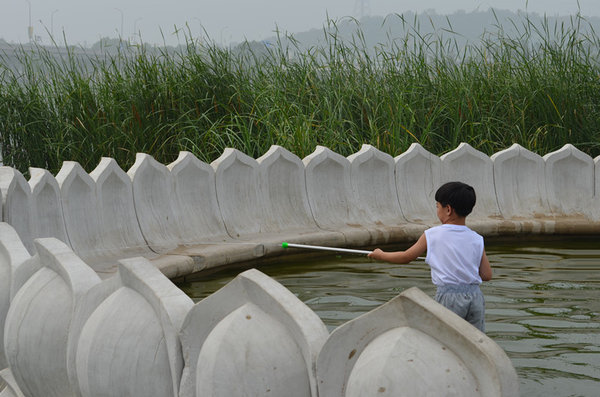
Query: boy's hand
{"points": [[376, 254]]}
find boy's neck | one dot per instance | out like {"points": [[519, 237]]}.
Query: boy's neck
{"points": [[456, 220]]}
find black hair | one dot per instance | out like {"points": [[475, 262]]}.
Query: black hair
{"points": [[458, 195]]}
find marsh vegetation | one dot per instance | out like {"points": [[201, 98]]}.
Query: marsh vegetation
{"points": [[538, 86]]}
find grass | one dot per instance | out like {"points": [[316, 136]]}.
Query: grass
{"points": [[539, 87]]}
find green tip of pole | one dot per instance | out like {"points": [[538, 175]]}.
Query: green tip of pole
{"points": [[284, 245]]}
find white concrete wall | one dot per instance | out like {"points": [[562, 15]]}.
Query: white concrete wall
{"points": [[80, 210], [373, 185], [153, 198], [520, 183], [128, 335], [60, 321], [12, 255], [279, 335], [331, 197], [570, 181], [16, 203], [473, 167], [46, 207], [37, 324], [120, 231], [283, 188], [418, 174], [237, 180], [136, 334], [12, 388], [189, 215], [412, 346], [195, 197]]}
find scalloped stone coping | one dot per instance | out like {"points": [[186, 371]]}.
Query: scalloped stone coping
{"points": [[189, 216], [68, 333]]}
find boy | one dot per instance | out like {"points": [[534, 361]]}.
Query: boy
{"points": [[455, 254]]}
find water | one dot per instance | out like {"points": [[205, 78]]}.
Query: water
{"points": [[543, 305]]}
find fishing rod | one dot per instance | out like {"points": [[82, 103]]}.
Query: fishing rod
{"points": [[321, 248], [334, 249]]}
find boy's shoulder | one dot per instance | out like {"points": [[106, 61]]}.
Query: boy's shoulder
{"points": [[447, 228]]}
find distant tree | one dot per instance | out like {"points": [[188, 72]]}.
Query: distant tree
{"points": [[108, 43]]}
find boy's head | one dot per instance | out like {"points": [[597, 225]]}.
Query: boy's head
{"points": [[458, 195]]}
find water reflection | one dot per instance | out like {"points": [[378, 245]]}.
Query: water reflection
{"points": [[542, 305]]}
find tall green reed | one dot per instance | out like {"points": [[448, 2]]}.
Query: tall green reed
{"points": [[538, 87]]}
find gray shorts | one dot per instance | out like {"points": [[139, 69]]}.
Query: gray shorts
{"points": [[466, 300]]}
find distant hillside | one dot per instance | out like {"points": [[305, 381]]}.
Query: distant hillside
{"points": [[458, 28]]}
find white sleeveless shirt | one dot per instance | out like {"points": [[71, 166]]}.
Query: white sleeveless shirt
{"points": [[454, 254]]}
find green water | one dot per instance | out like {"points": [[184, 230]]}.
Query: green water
{"points": [[543, 305]]}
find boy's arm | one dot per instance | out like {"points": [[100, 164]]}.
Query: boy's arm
{"points": [[402, 256], [485, 270]]}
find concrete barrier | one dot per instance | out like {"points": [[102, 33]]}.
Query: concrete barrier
{"points": [[237, 181], [471, 166], [283, 184], [153, 198], [393, 348], [37, 323], [127, 342], [70, 334], [191, 216], [570, 181], [60, 320], [520, 183], [16, 203], [120, 232], [330, 195], [279, 335], [282, 189], [418, 174], [198, 217], [46, 207], [80, 210], [12, 388], [12, 255], [374, 187]]}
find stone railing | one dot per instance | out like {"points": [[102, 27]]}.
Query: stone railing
{"points": [[189, 216], [85, 311], [69, 333]]}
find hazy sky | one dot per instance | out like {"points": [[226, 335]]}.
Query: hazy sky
{"points": [[86, 21]]}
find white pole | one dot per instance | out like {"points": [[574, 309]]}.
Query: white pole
{"points": [[321, 248], [334, 249]]}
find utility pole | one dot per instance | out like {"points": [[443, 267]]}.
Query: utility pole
{"points": [[30, 27], [121, 31], [52, 23], [362, 8]]}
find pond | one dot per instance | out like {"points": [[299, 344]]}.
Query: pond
{"points": [[542, 307]]}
